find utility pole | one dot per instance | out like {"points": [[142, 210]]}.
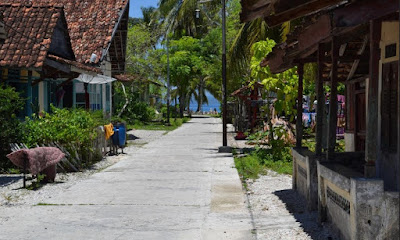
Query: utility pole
{"points": [[224, 147], [168, 81], [224, 111]]}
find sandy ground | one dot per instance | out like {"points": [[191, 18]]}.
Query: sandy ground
{"points": [[278, 211], [12, 193]]}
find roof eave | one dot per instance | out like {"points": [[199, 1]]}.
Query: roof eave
{"points": [[105, 51]]}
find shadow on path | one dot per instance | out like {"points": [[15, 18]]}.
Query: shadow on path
{"points": [[297, 206], [7, 180]]}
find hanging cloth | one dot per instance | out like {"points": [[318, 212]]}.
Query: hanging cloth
{"points": [[109, 130]]}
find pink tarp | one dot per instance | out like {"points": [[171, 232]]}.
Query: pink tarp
{"points": [[38, 158]]}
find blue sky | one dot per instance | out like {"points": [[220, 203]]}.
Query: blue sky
{"points": [[134, 7]]}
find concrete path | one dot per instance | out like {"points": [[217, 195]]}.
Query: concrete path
{"points": [[177, 187]]}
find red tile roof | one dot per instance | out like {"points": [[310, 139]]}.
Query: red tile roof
{"points": [[126, 77], [29, 30], [90, 23], [75, 64]]}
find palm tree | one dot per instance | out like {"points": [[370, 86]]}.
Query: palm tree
{"points": [[179, 16], [239, 52]]}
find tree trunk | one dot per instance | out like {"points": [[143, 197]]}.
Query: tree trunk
{"points": [[200, 96], [126, 101], [181, 105], [270, 115], [188, 106], [176, 110]]}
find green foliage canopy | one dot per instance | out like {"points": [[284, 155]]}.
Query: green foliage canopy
{"points": [[10, 104], [283, 84]]}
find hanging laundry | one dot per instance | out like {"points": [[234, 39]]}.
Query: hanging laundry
{"points": [[109, 130]]}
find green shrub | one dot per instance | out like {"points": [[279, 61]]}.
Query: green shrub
{"points": [[138, 111], [253, 164], [10, 104], [185, 120], [248, 167], [275, 156], [73, 129], [276, 159], [164, 111], [172, 111], [63, 126]]}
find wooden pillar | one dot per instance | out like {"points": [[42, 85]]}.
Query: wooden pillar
{"points": [[29, 95], [104, 99], [371, 149], [398, 111], [111, 99], [299, 122], [333, 103], [320, 101]]}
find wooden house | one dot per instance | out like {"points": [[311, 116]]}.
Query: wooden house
{"points": [[98, 34], [357, 43], [36, 49]]}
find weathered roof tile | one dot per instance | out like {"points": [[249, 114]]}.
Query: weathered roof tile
{"points": [[23, 23], [89, 22]]}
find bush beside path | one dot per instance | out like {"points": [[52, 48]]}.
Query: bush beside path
{"points": [[11, 193]]}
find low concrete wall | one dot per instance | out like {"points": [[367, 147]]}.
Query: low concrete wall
{"points": [[334, 199], [390, 216], [305, 176], [358, 207]]}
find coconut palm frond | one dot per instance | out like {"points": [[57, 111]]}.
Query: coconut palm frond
{"points": [[250, 33], [174, 93], [165, 6], [180, 15], [148, 14], [170, 18], [205, 98], [213, 87]]}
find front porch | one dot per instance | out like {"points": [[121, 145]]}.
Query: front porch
{"points": [[356, 45]]}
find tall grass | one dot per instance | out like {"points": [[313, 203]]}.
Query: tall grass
{"points": [[257, 162]]}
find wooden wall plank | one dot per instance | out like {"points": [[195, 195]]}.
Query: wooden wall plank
{"points": [[371, 149], [300, 10], [363, 11]]}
